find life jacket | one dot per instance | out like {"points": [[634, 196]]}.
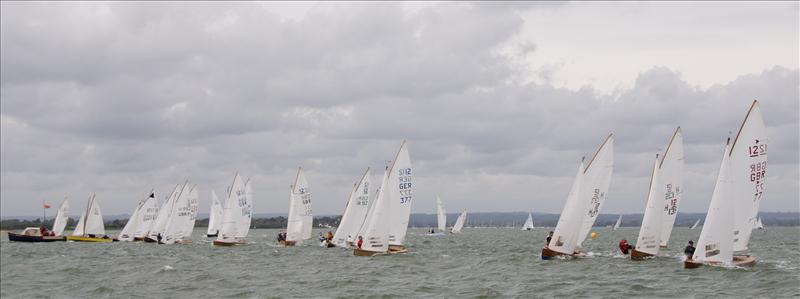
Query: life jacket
{"points": [[623, 246]]}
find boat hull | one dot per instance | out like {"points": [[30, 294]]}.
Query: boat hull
{"points": [[738, 260], [362, 252], [89, 239], [148, 240], [397, 249], [211, 235], [548, 253], [638, 255], [288, 243], [15, 237]]}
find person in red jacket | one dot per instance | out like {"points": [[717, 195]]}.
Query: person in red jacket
{"points": [[360, 241], [624, 246]]}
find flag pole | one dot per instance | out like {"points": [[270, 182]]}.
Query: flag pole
{"points": [[44, 216]]}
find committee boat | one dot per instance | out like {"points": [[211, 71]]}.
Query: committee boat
{"points": [[300, 220], [585, 199], [354, 213], [237, 214], [663, 197], [90, 227], [41, 234], [736, 198]]}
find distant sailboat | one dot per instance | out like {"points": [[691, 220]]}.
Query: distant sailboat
{"points": [[90, 227], [737, 195], [528, 223], [148, 213], [441, 219], [459, 222], [134, 222], [759, 224], [585, 199], [664, 193], [184, 214], [60, 222], [695, 224], [354, 213], [215, 216], [237, 212], [619, 222], [299, 222]]}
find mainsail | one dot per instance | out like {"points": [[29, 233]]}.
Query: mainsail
{"points": [[670, 183], [160, 224], [748, 165], [91, 221], [716, 239], [215, 217], [300, 215], [460, 222], [148, 213], [441, 215], [375, 230], [399, 194], [354, 213], [133, 223], [60, 222], [236, 207], [650, 231]]}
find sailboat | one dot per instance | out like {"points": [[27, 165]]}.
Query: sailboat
{"points": [[156, 232], [400, 194], [354, 213], [90, 225], [528, 223], [182, 218], [148, 211], [299, 222], [585, 199], [39, 234], [215, 217], [135, 221], [695, 224], [664, 193], [237, 212], [459, 222], [618, 223], [737, 195], [373, 236], [441, 219]]}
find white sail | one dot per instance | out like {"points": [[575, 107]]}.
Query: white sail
{"points": [[759, 224], [650, 231], [133, 222], [375, 230], [215, 216], [160, 224], [695, 224], [594, 186], [236, 206], [528, 223], [148, 211], [748, 164], [441, 215], [670, 183], [565, 236], [60, 222], [246, 208], [91, 221], [79, 227], [299, 227], [716, 239], [355, 212], [619, 222], [178, 216], [459, 222], [399, 192]]}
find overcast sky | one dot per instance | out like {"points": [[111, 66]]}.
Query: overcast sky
{"points": [[498, 101]]}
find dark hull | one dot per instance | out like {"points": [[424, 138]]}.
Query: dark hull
{"points": [[638, 255], [211, 235], [15, 237]]}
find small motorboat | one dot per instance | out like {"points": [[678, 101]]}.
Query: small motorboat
{"points": [[34, 234]]}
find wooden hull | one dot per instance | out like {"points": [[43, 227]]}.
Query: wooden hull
{"points": [[229, 243], [361, 252], [138, 239], [89, 239], [397, 249], [148, 240], [548, 253], [15, 237], [738, 260], [288, 243], [638, 255]]}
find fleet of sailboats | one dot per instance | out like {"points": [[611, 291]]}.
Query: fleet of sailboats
{"points": [[734, 203], [584, 202], [664, 193]]}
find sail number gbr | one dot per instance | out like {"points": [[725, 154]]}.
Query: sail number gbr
{"points": [[404, 178]]}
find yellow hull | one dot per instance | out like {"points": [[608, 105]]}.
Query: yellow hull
{"points": [[88, 239]]}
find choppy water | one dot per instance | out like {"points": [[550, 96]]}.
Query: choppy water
{"points": [[477, 263]]}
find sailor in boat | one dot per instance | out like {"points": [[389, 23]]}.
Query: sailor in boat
{"points": [[549, 237], [158, 238], [360, 242], [689, 250], [281, 236], [624, 246]]}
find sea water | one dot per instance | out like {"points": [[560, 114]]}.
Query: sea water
{"points": [[479, 262]]}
